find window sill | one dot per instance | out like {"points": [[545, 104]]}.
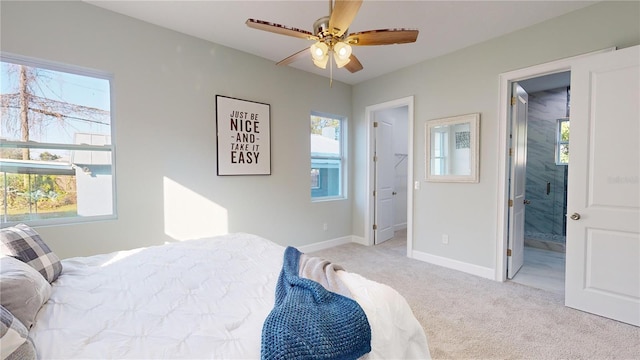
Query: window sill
{"points": [[326, 199]]}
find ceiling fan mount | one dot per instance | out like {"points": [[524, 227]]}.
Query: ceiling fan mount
{"points": [[331, 36], [321, 27]]}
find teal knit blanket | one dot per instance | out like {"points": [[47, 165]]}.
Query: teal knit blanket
{"points": [[310, 322]]}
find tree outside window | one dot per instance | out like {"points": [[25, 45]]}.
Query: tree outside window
{"points": [[562, 145]]}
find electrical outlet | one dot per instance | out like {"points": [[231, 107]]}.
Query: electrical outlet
{"points": [[325, 226], [445, 239], [416, 185]]}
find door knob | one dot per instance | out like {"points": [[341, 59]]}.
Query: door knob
{"points": [[527, 202], [575, 216], [394, 193]]}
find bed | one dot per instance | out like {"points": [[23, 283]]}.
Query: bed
{"points": [[203, 298]]}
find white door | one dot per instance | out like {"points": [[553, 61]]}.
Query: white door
{"points": [[519, 113], [603, 242], [384, 180]]}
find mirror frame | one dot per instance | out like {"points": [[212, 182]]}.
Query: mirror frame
{"points": [[474, 139]]}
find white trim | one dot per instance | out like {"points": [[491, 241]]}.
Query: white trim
{"points": [[368, 214], [55, 146], [55, 66], [505, 80], [398, 227], [472, 269], [359, 240], [485, 272], [327, 244]]}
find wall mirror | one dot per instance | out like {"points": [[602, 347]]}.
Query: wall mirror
{"points": [[452, 149]]}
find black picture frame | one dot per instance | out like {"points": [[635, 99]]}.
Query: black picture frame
{"points": [[243, 137]]}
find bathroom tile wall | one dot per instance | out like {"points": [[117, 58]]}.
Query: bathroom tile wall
{"points": [[546, 182]]}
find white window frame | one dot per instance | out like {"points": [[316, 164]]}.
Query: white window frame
{"points": [[342, 158], [77, 70]]}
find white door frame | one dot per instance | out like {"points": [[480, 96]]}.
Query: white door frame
{"points": [[368, 216], [503, 147]]}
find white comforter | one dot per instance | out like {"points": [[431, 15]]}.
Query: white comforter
{"points": [[196, 299]]}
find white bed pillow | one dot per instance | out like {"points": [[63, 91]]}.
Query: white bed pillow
{"points": [[14, 338], [23, 290]]}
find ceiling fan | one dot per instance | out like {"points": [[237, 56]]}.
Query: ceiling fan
{"points": [[331, 36]]}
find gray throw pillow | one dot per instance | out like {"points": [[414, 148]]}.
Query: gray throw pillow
{"points": [[23, 290], [14, 338], [24, 243]]}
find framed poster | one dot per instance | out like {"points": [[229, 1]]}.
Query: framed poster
{"points": [[243, 138]]}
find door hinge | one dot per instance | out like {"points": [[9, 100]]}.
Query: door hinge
{"points": [[375, 227], [513, 100], [510, 151], [374, 193], [508, 252], [375, 158], [375, 124], [510, 203]]}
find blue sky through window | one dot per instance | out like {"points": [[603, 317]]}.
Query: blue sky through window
{"points": [[85, 92]]}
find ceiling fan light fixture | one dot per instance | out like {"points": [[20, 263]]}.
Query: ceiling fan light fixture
{"points": [[342, 49], [322, 64], [319, 50], [342, 53], [320, 54]]}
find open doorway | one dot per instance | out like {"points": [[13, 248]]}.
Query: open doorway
{"points": [[601, 274], [390, 169], [545, 182], [508, 81]]}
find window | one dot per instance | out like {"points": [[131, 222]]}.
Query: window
{"points": [[562, 143], [327, 160], [56, 150], [439, 138]]}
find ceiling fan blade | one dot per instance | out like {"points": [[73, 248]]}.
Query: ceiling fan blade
{"points": [[280, 29], [297, 56], [343, 13], [354, 65], [382, 37]]}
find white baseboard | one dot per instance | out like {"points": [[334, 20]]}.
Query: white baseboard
{"points": [[398, 227], [325, 244], [359, 240], [481, 271]]}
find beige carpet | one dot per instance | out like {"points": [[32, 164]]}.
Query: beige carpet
{"points": [[468, 317]]}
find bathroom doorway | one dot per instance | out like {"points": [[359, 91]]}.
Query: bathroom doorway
{"points": [[547, 165]]}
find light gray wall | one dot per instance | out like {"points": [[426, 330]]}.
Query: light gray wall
{"points": [[466, 82], [164, 100]]}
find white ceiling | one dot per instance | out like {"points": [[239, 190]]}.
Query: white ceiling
{"points": [[445, 26]]}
